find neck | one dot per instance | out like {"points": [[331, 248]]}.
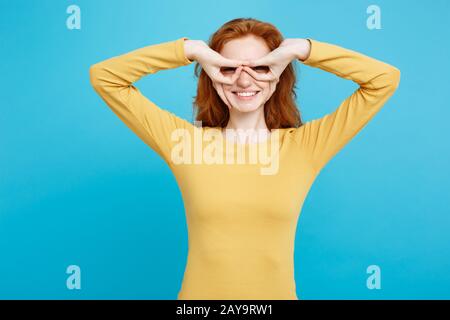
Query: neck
{"points": [[247, 120], [247, 126]]}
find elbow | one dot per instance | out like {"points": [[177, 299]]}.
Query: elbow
{"points": [[103, 80], [95, 76], [393, 78], [387, 80]]}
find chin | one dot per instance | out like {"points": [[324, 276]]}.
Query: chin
{"points": [[245, 106]]}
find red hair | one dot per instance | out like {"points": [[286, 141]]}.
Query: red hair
{"points": [[280, 111]]}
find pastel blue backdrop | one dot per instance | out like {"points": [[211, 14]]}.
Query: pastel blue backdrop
{"points": [[77, 187]]}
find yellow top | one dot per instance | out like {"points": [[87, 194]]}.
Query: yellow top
{"points": [[242, 222]]}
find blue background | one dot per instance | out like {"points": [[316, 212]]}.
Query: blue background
{"points": [[78, 187]]}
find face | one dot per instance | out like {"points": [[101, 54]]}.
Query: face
{"points": [[246, 48]]}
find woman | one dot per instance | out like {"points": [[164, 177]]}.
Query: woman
{"points": [[242, 220]]}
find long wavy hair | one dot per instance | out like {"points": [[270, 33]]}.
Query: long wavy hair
{"points": [[280, 111]]}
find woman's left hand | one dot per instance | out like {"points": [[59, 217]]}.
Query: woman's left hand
{"points": [[278, 59]]}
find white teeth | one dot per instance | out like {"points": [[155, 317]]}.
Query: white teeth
{"points": [[246, 94]]}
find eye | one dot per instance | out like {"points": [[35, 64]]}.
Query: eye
{"points": [[261, 69], [227, 70]]}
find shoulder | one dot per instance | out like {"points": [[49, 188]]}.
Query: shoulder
{"points": [[297, 134]]}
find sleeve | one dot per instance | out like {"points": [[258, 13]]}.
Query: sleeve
{"points": [[322, 138], [113, 80]]}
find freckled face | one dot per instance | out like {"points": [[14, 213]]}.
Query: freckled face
{"points": [[253, 93]]}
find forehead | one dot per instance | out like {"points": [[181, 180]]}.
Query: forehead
{"points": [[245, 48]]}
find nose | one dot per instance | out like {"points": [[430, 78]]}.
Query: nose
{"points": [[244, 79]]}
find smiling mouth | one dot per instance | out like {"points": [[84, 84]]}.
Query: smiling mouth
{"points": [[246, 97]]}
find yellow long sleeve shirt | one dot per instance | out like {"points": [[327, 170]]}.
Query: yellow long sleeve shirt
{"points": [[241, 223]]}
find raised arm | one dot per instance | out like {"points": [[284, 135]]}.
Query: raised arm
{"points": [[322, 138], [113, 80]]}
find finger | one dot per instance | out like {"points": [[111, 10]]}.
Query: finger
{"points": [[227, 80], [221, 93], [273, 87], [258, 76], [228, 103], [268, 60], [232, 63], [236, 75], [271, 84], [258, 62], [219, 77], [253, 73]]}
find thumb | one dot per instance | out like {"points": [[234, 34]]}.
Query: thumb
{"points": [[257, 62], [231, 63]]}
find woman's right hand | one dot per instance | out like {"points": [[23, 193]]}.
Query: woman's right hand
{"points": [[212, 62]]}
